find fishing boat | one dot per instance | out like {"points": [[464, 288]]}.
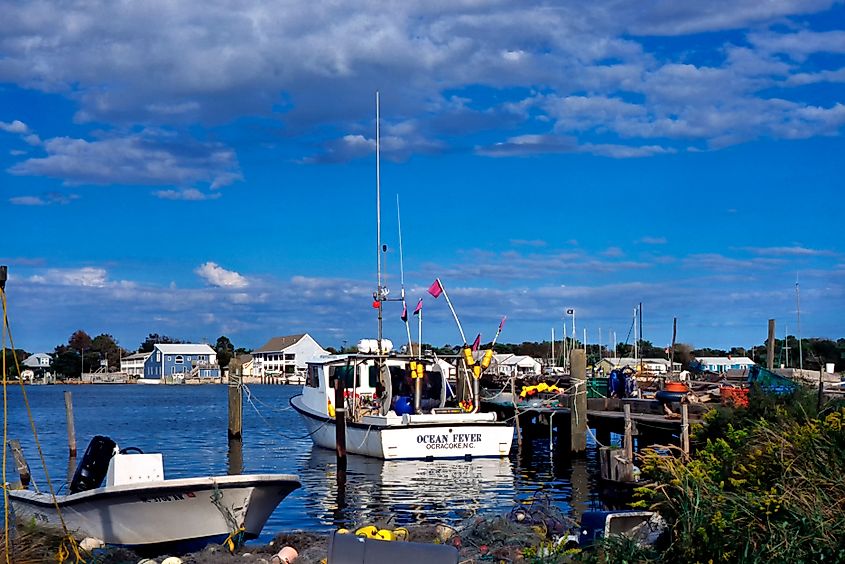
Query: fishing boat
{"points": [[139, 509], [388, 418], [398, 407]]}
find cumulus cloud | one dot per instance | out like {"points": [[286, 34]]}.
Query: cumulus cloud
{"points": [[150, 157], [87, 277], [187, 194], [218, 276], [15, 126], [452, 68]]}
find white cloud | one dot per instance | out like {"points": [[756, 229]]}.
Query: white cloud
{"points": [[85, 277], [187, 194], [151, 157], [218, 276], [44, 199], [15, 126], [648, 240]]}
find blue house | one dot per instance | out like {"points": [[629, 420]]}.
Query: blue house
{"points": [[169, 362]]}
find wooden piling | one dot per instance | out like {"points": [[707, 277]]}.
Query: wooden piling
{"points": [[235, 406], [20, 462], [685, 429], [578, 403], [340, 424], [516, 413], [71, 430], [628, 444], [770, 346]]}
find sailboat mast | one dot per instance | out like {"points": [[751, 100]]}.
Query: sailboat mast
{"points": [[379, 293]]}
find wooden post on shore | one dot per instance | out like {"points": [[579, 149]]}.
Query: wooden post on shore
{"points": [[20, 462], [685, 429], [340, 424], [770, 346], [235, 406], [578, 403], [516, 413], [821, 388], [628, 443], [71, 430]]}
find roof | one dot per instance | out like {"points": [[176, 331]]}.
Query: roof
{"points": [[280, 343], [724, 360], [137, 356], [185, 348], [244, 358], [33, 360]]}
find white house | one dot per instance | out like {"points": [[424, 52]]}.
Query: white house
{"points": [[133, 364], [650, 365], [509, 364], [724, 363], [285, 355], [38, 360]]}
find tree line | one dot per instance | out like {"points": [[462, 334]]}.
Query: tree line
{"points": [[83, 353]]}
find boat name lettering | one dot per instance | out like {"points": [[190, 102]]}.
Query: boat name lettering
{"points": [[457, 440], [162, 498]]}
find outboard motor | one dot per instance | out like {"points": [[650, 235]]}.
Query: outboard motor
{"points": [[94, 465]]}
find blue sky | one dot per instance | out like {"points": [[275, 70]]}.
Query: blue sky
{"points": [[199, 169]]}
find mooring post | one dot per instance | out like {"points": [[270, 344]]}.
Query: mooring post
{"points": [[578, 402], [20, 462], [516, 412], [770, 346], [685, 429], [340, 424], [628, 443], [235, 406], [71, 430]]}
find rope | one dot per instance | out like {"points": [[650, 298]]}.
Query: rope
{"points": [[272, 428], [64, 553]]}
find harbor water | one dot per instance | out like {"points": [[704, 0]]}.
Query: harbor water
{"points": [[188, 425]]}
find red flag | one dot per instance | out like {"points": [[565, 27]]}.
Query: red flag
{"points": [[376, 304], [404, 311], [436, 289], [418, 308], [502, 323], [476, 343]]}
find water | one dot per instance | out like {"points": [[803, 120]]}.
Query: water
{"points": [[188, 425]]}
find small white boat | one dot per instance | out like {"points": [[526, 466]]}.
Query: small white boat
{"points": [[386, 420], [139, 509]]}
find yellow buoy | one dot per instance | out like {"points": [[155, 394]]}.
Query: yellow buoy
{"points": [[487, 358], [468, 358]]}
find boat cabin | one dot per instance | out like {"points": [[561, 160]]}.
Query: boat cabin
{"points": [[374, 391]]}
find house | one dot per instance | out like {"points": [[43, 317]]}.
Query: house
{"points": [[285, 355], [133, 365], [723, 363], [515, 365], [650, 365], [169, 362], [38, 361]]}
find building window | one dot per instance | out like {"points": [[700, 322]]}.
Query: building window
{"points": [[168, 358], [179, 359], [290, 356]]}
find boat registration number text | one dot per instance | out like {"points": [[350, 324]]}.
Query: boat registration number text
{"points": [[457, 440]]}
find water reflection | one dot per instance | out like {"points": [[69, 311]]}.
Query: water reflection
{"points": [[406, 491]]}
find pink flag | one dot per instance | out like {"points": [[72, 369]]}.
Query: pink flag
{"points": [[404, 311], [502, 323], [476, 343], [418, 308], [436, 289]]}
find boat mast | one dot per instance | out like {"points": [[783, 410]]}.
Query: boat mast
{"points": [[379, 296]]}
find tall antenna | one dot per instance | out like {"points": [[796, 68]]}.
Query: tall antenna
{"points": [[380, 293], [401, 259]]}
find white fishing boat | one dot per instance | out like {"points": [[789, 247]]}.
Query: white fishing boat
{"points": [[391, 415], [139, 509]]}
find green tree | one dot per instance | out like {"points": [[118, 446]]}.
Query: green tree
{"points": [[225, 350], [154, 339], [107, 347], [80, 340]]}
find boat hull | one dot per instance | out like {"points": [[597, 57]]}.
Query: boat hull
{"points": [[411, 441], [184, 513]]}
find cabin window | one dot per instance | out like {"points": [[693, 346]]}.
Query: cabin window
{"points": [[313, 378], [374, 378], [345, 372], [290, 356], [179, 359]]}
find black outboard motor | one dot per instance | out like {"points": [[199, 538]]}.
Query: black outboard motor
{"points": [[94, 465]]}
